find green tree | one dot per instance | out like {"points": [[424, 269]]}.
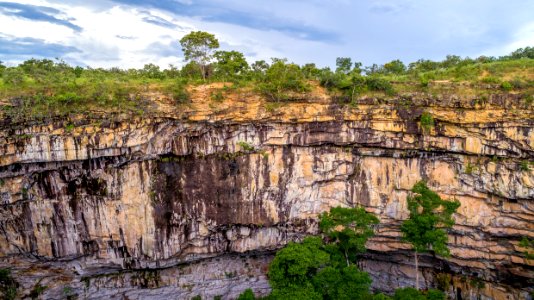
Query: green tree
{"points": [[280, 78], [343, 65], [248, 294], [340, 284], [349, 229], [198, 46], [297, 263], [430, 218], [310, 71], [230, 64], [296, 292], [527, 52], [152, 71], [395, 67]]}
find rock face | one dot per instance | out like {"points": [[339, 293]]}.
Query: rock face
{"points": [[179, 205]]}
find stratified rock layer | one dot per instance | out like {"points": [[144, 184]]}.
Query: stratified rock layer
{"points": [[180, 205]]}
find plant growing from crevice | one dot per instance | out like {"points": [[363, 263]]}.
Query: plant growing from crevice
{"points": [[524, 165], [246, 146], [528, 245], [427, 122], [37, 290], [8, 285]]}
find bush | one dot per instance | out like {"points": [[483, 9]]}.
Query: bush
{"points": [[375, 83], [248, 294], [281, 79], [490, 80], [427, 121], [506, 86]]}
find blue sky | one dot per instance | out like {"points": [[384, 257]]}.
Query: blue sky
{"points": [[131, 33]]}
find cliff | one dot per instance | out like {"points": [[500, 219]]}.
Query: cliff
{"points": [[193, 200]]}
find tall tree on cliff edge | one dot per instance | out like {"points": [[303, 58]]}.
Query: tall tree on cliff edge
{"points": [[198, 47], [430, 218]]}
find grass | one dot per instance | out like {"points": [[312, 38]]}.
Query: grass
{"points": [[41, 89]]}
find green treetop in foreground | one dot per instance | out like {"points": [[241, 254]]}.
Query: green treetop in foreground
{"points": [[349, 229], [430, 218], [327, 269]]}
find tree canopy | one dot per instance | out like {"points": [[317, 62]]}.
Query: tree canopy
{"points": [[349, 229], [430, 217], [198, 46]]}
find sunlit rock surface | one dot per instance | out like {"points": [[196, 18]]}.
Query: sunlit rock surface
{"points": [[195, 202]]}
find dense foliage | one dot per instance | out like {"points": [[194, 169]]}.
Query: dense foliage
{"points": [[430, 218], [325, 267], [43, 88], [315, 269], [349, 229], [198, 47]]}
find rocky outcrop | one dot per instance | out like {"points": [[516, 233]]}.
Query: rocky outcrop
{"points": [[194, 203]]}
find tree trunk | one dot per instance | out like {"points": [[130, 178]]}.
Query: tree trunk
{"points": [[416, 271], [347, 258]]}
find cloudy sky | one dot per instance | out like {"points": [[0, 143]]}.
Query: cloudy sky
{"points": [[131, 33]]}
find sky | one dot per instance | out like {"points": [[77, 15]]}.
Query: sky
{"points": [[132, 33]]}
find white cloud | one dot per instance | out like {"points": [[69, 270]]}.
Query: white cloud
{"points": [[127, 36]]}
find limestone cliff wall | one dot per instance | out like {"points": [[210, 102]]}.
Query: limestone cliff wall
{"points": [[195, 203]]}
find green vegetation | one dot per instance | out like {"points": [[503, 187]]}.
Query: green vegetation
{"points": [[198, 47], [528, 244], [430, 217], [524, 165], [326, 267], [427, 122], [246, 146], [348, 229], [37, 290], [8, 285], [42, 88], [47, 89], [317, 269], [248, 294], [282, 80]]}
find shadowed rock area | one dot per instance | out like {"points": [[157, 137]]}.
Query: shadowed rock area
{"points": [[195, 203]]}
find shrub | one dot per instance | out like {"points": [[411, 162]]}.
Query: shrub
{"points": [[506, 86], [424, 81], [490, 80], [375, 83], [217, 96], [248, 294], [246, 146], [517, 83], [281, 79], [427, 121]]}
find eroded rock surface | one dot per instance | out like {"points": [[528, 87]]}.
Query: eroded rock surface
{"points": [[173, 207]]}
